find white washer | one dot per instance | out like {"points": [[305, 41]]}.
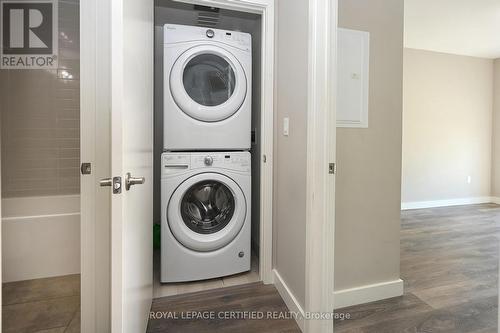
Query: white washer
{"points": [[207, 89], [205, 229]]}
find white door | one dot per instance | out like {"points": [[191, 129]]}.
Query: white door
{"points": [[131, 152]]}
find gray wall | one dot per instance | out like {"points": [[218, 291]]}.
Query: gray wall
{"points": [[448, 106], [40, 120], [290, 152], [368, 188], [495, 174]]}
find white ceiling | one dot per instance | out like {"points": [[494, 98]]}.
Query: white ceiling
{"points": [[466, 27]]}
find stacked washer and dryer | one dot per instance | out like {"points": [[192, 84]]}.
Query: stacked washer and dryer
{"points": [[206, 164]]}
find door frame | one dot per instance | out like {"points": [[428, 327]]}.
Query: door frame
{"points": [[320, 212], [265, 8], [321, 141], [95, 205], [95, 104]]}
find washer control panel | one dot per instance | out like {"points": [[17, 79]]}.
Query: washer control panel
{"points": [[239, 161], [178, 162]]}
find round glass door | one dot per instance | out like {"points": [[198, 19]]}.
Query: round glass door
{"points": [[208, 83], [207, 207], [209, 79], [206, 211]]}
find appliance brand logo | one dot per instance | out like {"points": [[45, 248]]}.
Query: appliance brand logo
{"points": [[29, 34]]}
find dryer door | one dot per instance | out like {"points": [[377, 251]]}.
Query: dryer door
{"points": [[206, 212], [208, 83]]}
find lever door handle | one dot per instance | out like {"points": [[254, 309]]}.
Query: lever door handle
{"points": [[106, 182], [115, 183], [129, 181]]}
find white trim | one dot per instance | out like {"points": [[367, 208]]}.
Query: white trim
{"points": [[117, 155], [45, 197], [447, 202], [43, 205], [95, 122], [29, 217], [88, 101], [249, 6], [267, 144], [320, 192], [289, 299], [266, 9], [495, 200], [368, 293]]}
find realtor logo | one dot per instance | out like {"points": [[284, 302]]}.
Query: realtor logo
{"points": [[28, 34]]}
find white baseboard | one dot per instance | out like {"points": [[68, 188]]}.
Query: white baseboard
{"points": [[367, 293], [495, 200], [447, 202], [289, 299]]}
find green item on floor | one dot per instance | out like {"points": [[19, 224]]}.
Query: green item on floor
{"points": [[156, 236]]}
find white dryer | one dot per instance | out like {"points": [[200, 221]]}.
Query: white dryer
{"points": [[206, 226], [207, 89]]}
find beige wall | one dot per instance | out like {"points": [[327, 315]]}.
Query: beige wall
{"points": [[447, 128], [495, 172], [369, 160], [40, 121], [290, 152]]}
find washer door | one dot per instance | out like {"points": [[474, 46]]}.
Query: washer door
{"points": [[208, 83], [206, 212]]}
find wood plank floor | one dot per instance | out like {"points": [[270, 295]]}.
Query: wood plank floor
{"points": [[449, 262], [169, 314]]}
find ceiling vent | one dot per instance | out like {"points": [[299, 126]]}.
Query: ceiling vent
{"points": [[207, 16]]}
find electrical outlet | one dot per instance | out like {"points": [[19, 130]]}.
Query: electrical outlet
{"points": [[469, 179]]}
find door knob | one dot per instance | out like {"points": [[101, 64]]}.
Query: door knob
{"points": [[129, 181]]}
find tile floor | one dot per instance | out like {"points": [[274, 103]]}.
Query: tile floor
{"points": [[171, 289], [50, 305]]}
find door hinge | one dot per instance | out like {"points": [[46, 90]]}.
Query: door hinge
{"points": [[332, 168]]}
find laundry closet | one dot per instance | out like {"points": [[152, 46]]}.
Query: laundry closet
{"points": [[207, 147]]}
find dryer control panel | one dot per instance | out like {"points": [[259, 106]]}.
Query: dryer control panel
{"points": [[175, 33]]}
